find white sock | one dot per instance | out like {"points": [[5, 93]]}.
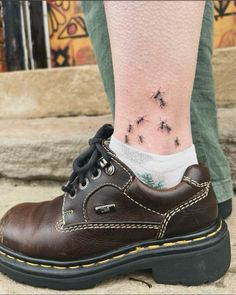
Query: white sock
{"points": [[158, 171]]}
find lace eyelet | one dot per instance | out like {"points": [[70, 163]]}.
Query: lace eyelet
{"points": [[103, 162], [110, 170], [72, 197], [99, 171], [82, 187]]}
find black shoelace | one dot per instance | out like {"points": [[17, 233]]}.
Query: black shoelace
{"points": [[87, 161]]}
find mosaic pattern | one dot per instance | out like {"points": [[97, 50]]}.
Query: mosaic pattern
{"points": [[225, 23], [70, 44]]}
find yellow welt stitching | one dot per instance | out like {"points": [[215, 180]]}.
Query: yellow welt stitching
{"points": [[133, 252], [137, 249], [153, 247], [19, 260], [45, 266], [169, 244], [10, 257], [210, 235], [140, 249], [199, 239], [183, 242], [89, 265], [74, 267], [104, 261], [59, 267], [119, 256], [31, 264]]}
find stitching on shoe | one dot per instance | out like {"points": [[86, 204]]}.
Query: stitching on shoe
{"points": [[195, 183], [130, 175], [144, 207], [124, 192], [107, 183], [121, 188], [197, 197], [90, 193], [127, 171], [72, 228], [63, 207], [135, 251], [167, 215]]}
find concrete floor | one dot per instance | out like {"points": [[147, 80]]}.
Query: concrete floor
{"points": [[12, 193]]}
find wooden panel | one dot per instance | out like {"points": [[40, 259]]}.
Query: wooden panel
{"points": [[2, 49], [13, 35], [37, 29]]}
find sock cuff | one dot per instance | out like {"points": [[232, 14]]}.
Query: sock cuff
{"points": [[179, 159], [164, 170]]}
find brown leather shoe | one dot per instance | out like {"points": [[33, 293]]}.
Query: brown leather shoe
{"points": [[109, 223]]}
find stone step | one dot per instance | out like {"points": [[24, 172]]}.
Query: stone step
{"points": [[73, 91], [59, 92], [227, 134], [45, 148]]}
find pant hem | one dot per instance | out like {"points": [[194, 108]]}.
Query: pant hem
{"points": [[223, 190]]}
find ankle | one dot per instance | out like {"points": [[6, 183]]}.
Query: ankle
{"points": [[151, 141]]}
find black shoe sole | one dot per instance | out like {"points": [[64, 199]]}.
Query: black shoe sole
{"points": [[225, 208], [190, 260]]}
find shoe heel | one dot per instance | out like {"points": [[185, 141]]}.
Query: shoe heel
{"points": [[195, 267]]}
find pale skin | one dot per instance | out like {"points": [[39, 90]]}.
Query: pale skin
{"points": [[154, 48]]}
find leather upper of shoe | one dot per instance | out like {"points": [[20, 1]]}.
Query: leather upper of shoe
{"points": [[108, 209]]}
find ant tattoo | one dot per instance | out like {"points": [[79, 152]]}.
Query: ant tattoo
{"points": [[164, 126], [158, 96], [130, 128], [126, 139], [177, 143], [140, 139], [163, 103], [140, 120]]}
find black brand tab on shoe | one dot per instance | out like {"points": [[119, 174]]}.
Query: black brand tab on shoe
{"points": [[105, 209]]}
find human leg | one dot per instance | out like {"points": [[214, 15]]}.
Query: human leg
{"points": [[202, 101], [154, 62], [108, 223], [154, 66]]}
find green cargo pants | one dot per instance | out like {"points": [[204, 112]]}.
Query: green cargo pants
{"points": [[203, 107]]}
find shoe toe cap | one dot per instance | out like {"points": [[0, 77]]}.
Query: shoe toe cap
{"points": [[12, 226], [29, 228]]}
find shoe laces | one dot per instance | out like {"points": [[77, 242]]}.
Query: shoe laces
{"points": [[88, 160]]}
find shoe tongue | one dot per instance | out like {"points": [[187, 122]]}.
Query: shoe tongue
{"points": [[199, 173], [105, 131]]}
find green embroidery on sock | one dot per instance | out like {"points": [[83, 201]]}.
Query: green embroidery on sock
{"points": [[147, 179]]}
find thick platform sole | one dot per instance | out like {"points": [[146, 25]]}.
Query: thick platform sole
{"points": [[225, 208], [190, 260]]}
